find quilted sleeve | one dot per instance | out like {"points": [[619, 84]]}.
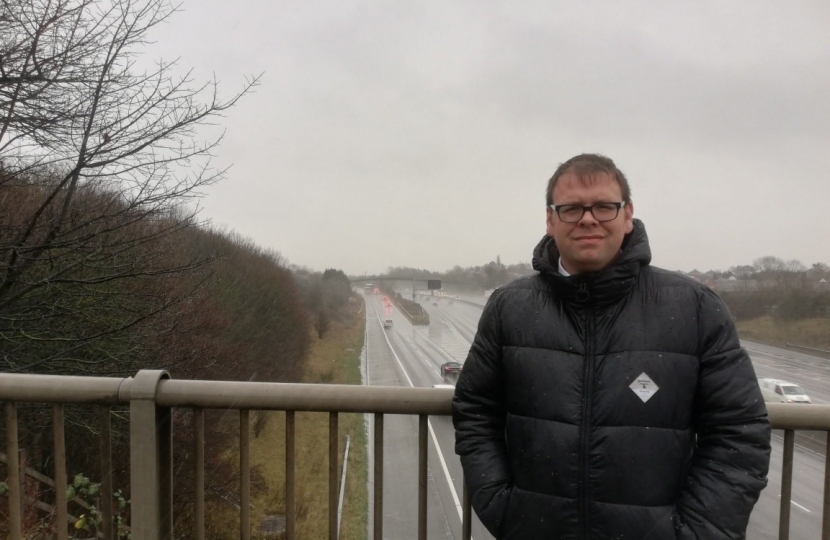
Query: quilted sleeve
{"points": [[731, 458], [479, 420]]}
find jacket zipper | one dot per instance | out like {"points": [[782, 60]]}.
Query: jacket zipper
{"points": [[585, 425]]}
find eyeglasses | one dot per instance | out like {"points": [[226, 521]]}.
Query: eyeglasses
{"points": [[572, 213]]}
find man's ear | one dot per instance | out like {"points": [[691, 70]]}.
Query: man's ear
{"points": [[549, 222], [628, 209]]}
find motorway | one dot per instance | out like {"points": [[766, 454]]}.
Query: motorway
{"points": [[812, 374], [408, 355]]}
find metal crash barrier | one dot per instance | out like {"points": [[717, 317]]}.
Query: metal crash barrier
{"points": [[151, 396]]}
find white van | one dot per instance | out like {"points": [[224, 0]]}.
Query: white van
{"points": [[782, 391]]}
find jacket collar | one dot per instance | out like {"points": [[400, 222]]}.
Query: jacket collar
{"points": [[597, 288]]}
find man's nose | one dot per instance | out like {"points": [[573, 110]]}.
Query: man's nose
{"points": [[588, 218]]}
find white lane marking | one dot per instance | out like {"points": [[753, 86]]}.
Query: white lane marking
{"points": [[447, 473], [455, 498], [798, 505], [454, 329]]}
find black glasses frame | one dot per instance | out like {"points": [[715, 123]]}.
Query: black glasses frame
{"points": [[558, 209]]}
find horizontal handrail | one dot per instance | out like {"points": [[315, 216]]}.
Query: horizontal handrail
{"points": [[296, 397], [151, 389], [228, 394], [60, 389], [799, 416], [304, 397]]}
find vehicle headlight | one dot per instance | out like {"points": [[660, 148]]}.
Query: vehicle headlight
{"points": [[789, 401]]}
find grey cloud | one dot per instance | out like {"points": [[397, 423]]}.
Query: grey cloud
{"points": [[423, 133]]}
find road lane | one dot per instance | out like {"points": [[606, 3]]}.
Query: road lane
{"points": [[418, 352], [807, 494], [400, 443], [810, 372], [453, 326]]}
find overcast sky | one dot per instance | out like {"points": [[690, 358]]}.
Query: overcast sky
{"points": [[423, 133]]}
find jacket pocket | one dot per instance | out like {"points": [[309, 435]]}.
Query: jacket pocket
{"points": [[490, 504], [665, 528]]}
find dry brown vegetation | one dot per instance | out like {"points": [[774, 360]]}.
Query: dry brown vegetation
{"points": [[105, 268], [335, 359], [806, 332]]}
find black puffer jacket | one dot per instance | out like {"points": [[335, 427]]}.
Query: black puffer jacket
{"points": [[555, 442]]}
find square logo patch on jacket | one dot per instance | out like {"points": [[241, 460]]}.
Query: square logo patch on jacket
{"points": [[644, 387]]}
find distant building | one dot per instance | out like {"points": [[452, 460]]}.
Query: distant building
{"points": [[697, 276], [733, 284]]}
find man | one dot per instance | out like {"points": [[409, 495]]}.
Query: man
{"points": [[604, 398]]}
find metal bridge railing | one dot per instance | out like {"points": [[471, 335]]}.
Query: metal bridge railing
{"points": [[152, 394]]}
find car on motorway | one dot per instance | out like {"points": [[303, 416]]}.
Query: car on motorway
{"points": [[782, 391], [450, 370], [388, 323]]}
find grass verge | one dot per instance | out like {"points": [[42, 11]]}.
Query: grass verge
{"points": [[334, 359], [813, 333]]}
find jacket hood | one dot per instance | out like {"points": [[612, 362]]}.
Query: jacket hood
{"points": [[605, 286]]}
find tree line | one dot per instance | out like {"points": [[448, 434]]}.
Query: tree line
{"points": [[105, 265], [769, 286]]}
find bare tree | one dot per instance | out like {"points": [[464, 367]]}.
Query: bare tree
{"points": [[794, 265], [769, 264], [98, 160]]}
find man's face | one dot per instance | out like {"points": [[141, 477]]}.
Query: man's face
{"points": [[588, 245]]}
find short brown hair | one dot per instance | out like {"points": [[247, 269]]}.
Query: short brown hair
{"points": [[586, 165]]}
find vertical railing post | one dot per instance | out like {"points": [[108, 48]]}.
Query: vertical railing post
{"points": [[244, 474], [378, 476], [199, 473], [106, 473], [333, 455], [786, 485], [59, 430], [13, 465], [825, 519], [423, 466], [150, 460], [289, 475], [164, 423]]}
